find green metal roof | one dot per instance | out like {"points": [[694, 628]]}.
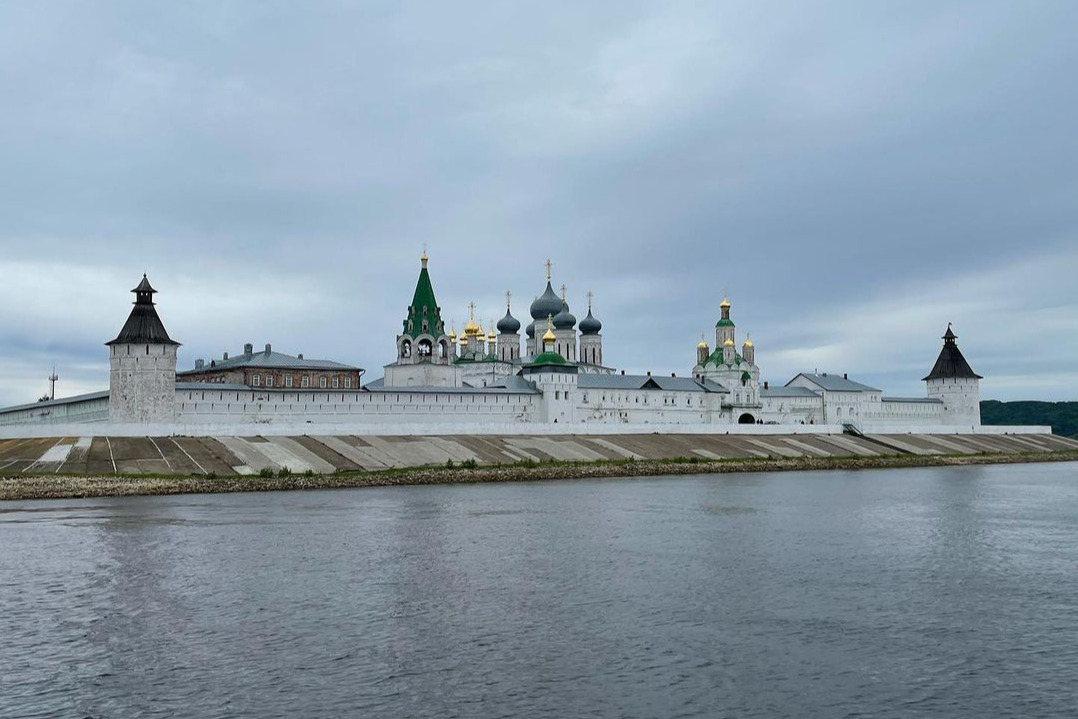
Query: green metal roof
{"points": [[716, 359], [549, 357], [423, 300], [724, 323]]}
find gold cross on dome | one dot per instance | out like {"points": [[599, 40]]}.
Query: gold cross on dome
{"points": [[563, 293], [471, 311]]}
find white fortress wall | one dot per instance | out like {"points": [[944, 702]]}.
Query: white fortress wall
{"points": [[408, 428], [647, 406], [243, 406], [86, 408]]}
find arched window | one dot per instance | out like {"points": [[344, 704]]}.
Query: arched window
{"points": [[425, 348], [406, 348]]}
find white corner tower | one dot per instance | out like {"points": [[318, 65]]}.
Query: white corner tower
{"points": [[142, 365], [955, 383]]}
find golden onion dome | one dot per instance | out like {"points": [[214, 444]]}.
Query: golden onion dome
{"points": [[548, 336], [728, 343], [702, 345], [748, 343], [471, 328], [725, 302]]}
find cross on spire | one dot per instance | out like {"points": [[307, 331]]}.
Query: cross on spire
{"points": [[508, 299], [563, 292], [471, 311], [589, 295], [548, 266]]}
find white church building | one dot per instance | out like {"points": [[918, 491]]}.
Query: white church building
{"points": [[555, 378]]}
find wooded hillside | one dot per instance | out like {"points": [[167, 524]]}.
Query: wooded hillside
{"points": [[1062, 416]]}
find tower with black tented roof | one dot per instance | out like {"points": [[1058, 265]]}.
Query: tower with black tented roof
{"points": [[954, 382], [142, 365]]}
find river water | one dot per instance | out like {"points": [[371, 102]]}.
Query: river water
{"points": [[949, 592]]}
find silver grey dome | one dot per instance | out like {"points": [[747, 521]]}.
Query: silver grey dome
{"points": [[508, 325], [589, 325], [564, 320], [546, 305]]}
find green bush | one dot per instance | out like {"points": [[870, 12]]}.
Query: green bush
{"points": [[265, 472], [469, 464], [284, 472], [449, 464]]}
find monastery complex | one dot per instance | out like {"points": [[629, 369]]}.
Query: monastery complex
{"points": [[554, 379]]}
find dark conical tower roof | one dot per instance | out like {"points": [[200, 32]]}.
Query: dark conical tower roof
{"points": [[951, 363], [143, 326]]}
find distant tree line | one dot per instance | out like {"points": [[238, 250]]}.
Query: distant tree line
{"points": [[1062, 416]]}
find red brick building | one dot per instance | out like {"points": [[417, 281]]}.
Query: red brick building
{"points": [[274, 370]]}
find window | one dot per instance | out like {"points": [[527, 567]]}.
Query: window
{"points": [[336, 382], [269, 380], [322, 382], [256, 380], [305, 381], [348, 383], [288, 380]]}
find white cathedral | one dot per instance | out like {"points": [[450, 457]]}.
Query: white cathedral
{"points": [[486, 381]]}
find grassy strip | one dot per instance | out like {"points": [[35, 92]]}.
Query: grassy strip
{"points": [[49, 486]]}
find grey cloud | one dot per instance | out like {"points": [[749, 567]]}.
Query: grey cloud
{"points": [[804, 156]]}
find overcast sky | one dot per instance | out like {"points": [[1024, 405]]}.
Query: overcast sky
{"points": [[854, 175]]}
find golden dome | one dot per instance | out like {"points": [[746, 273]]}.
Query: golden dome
{"points": [[728, 343], [725, 302], [748, 343], [702, 345], [471, 328]]}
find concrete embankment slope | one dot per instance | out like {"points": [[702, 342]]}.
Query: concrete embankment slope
{"points": [[238, 456]]}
